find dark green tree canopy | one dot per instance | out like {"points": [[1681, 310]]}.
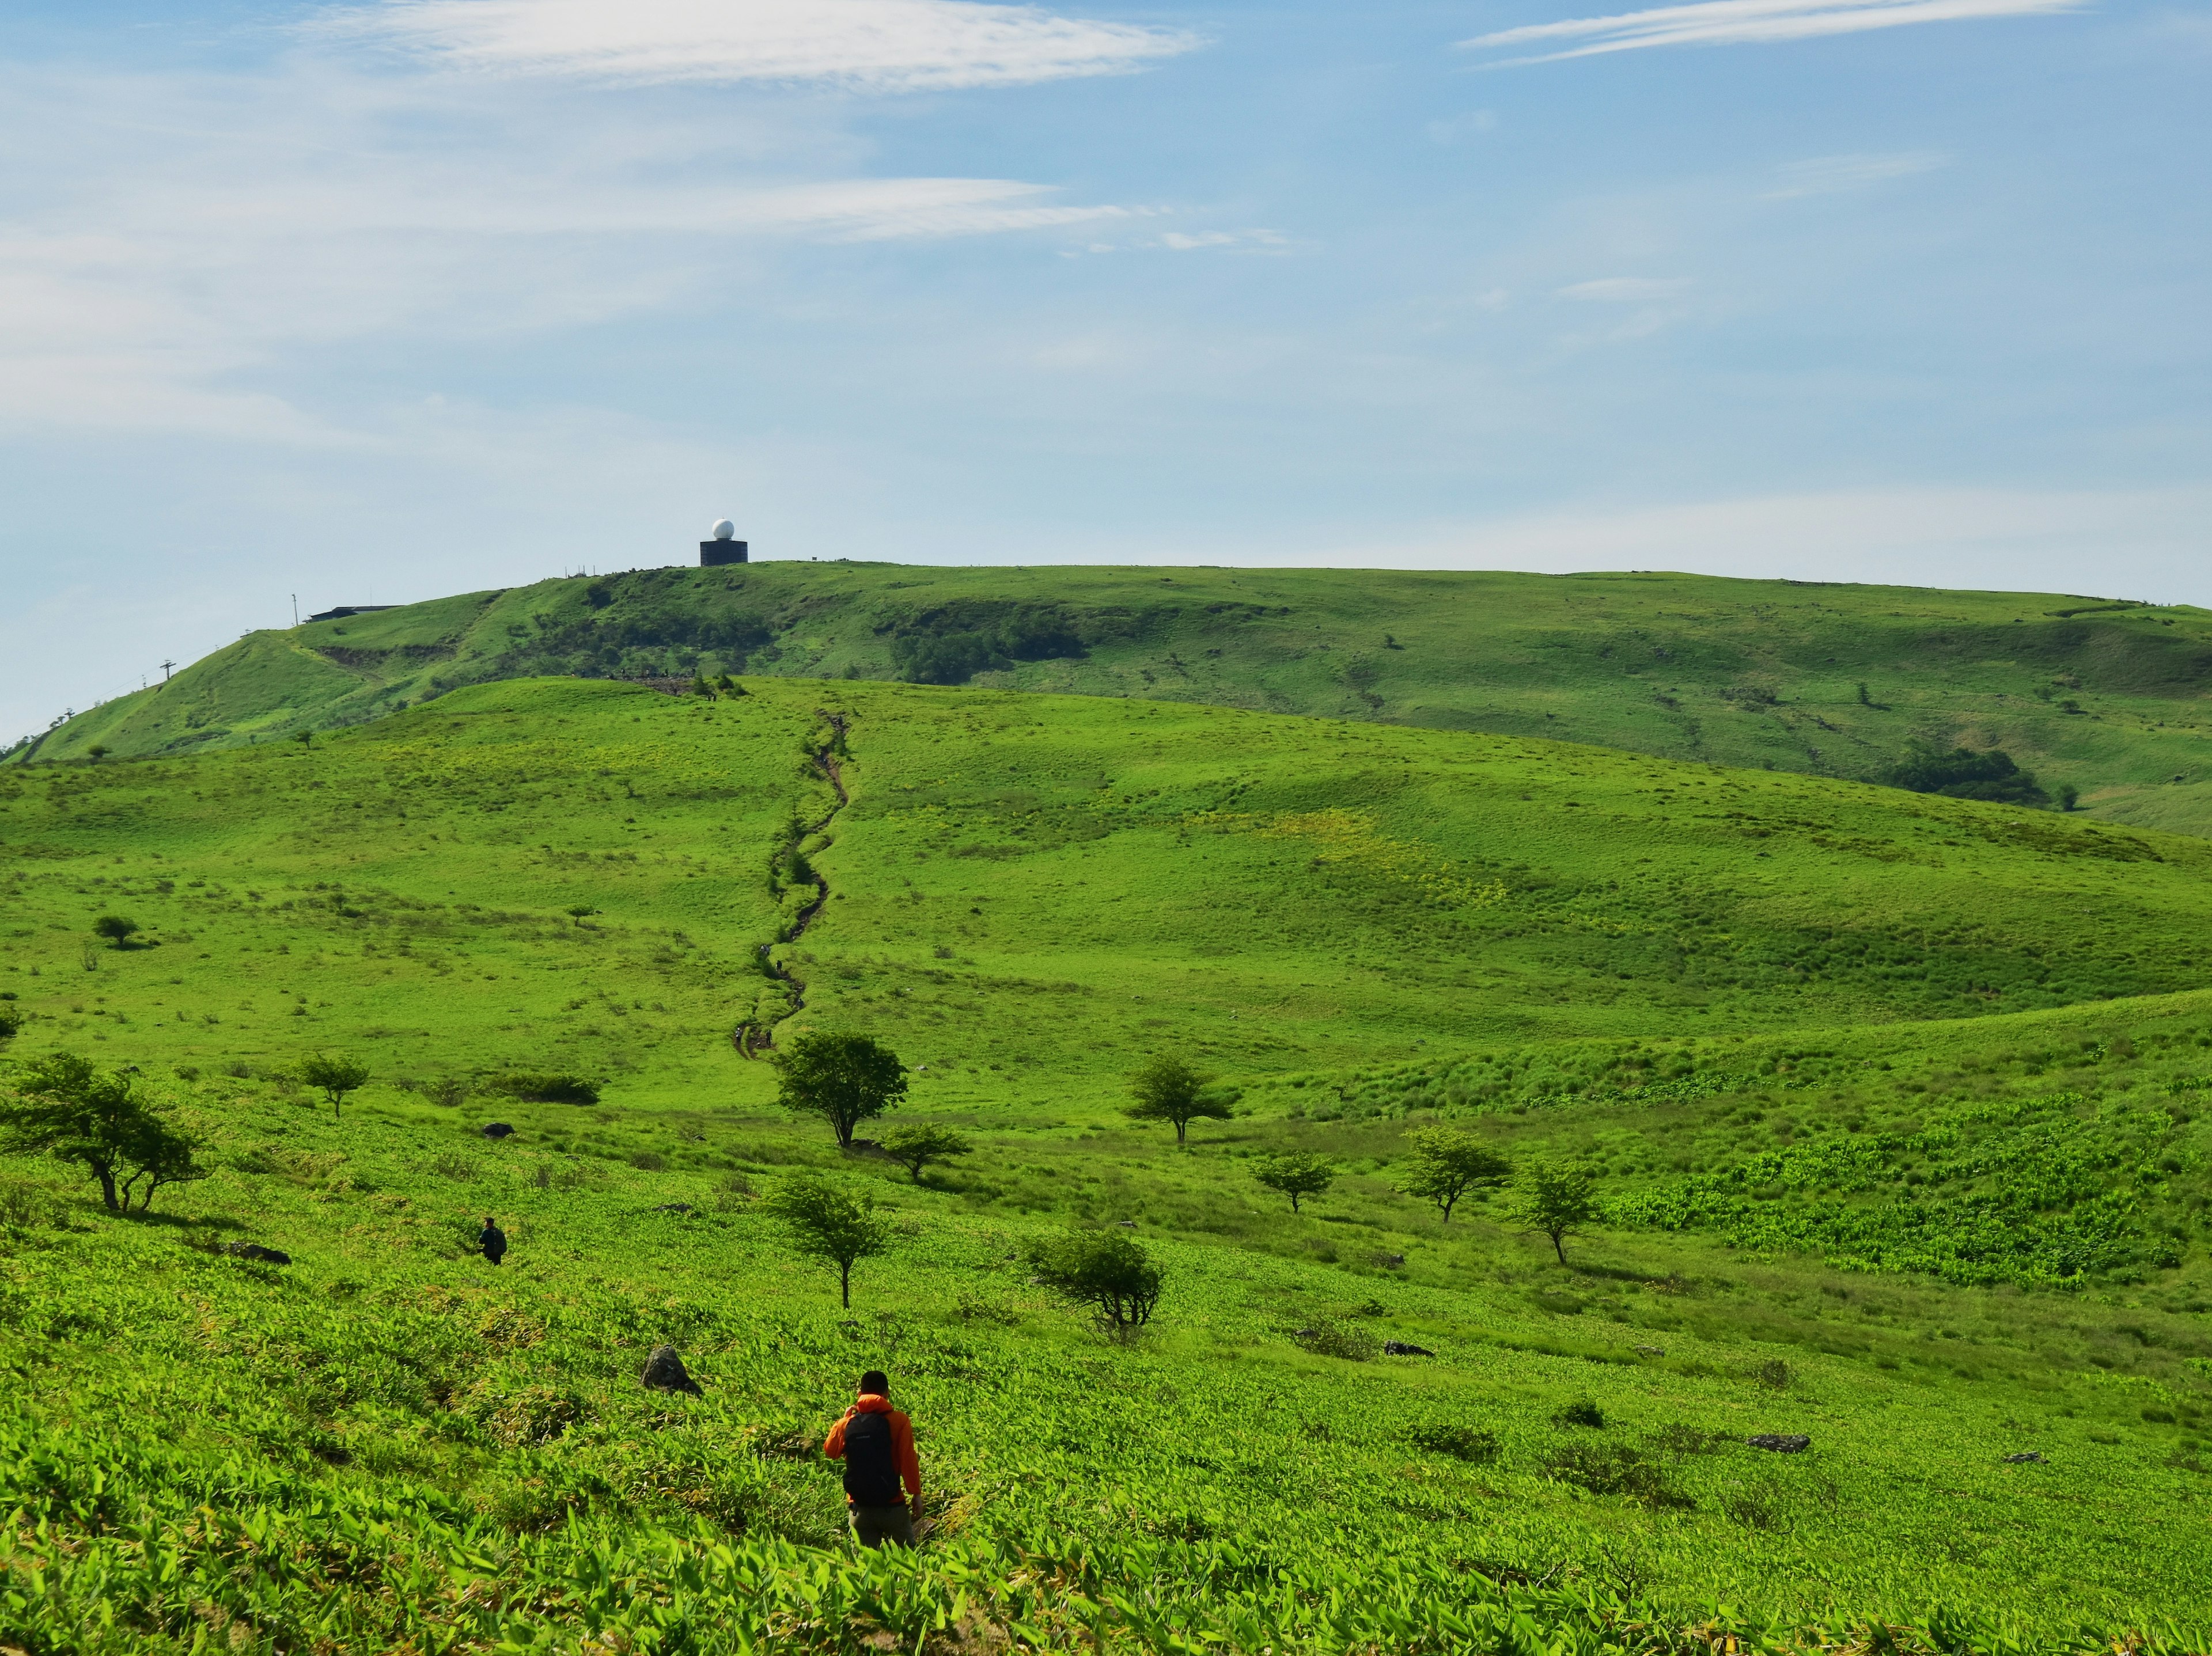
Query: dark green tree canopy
{"points": [[117, 929], [825, 1223], [1168, 1090], [843, 1078], [65, 1107], [1296, 1175], [1446, 1164], [334, 1077], [1105, 1269], [1557, 1198], [914, 1147], [1963, 773]]}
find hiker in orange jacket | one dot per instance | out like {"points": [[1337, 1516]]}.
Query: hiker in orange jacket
{"points": [[876, 1443]]}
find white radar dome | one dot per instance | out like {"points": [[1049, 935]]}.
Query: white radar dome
{"points": [[724, 530]]}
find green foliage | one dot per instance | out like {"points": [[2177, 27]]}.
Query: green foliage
{"points": [[914, 1147], [1296, 1176], [1964, 774], [1614, 1469], [2047, 1190], [62, 1105], [1332, 1339], [535, 1088], [1557, 1198], [117, 929], [11, 1022], [1168, 1089], [1446, 1164], [334, 1077], [951, 646], [1105, 1271], [1477, 1445], [845, 1079], [825, 1223]]}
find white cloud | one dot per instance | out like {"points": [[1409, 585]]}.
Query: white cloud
{"points": [[1626, 290], [192, 239], [1830, 175], [1455, 128], [885, 45], [1736, 23]]}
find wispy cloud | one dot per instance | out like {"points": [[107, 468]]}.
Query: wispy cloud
{"points": [[1832, 175], [885, 45], [162, 276], [1738, 23], [1626, 290]]}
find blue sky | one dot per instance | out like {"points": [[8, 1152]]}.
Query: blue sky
{"points": [[378, 301]]}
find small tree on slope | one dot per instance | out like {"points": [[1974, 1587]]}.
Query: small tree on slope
{"points": [[65, 1108], [844, 1079], [335, 1077], [1168, 1090], [914, 1147], [1296, 1175], [825, 1223], [1556, 1198], [1448, 1163], [1106, 1270]]}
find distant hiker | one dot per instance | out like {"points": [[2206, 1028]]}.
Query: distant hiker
{"points": [[876, 1443], [492, 1242]]}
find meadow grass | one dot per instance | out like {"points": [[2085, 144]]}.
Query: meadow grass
{"points": [[1984, 1021]]}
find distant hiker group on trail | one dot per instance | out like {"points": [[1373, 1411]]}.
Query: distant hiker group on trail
{"points": [[876, 1443]]}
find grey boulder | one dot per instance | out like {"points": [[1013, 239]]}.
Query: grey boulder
{"points": [[665, 1372], [1783, 1443]]}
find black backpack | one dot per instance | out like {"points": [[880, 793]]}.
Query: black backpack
{"points": [[872, 1476]]}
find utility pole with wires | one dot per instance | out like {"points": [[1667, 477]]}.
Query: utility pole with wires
{"points": [[165, 671]]}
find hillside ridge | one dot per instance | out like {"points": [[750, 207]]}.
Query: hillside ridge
{"points": [[2105, 696]]}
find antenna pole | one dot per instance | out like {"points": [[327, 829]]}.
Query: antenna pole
{"points": [[295, 609], [165, 671]]}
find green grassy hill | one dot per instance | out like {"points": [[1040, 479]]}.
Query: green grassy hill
{"points": [[1835, 680], [1894, 1103]]}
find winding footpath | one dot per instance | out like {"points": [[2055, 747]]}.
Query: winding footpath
{"points": [[753, 1038]]}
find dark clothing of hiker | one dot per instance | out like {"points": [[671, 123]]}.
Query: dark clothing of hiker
{"points": [[493, 1242], [876, 1443]]}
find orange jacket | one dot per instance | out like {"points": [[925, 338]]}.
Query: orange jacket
{"points": [[909, 1468]]}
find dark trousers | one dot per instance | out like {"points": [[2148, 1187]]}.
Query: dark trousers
{"points": [[874, 1526]]}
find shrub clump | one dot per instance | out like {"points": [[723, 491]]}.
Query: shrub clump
{"points": [[1474, 1444], [543, 1089], [1614, 1469], [1962, 773], [1106, 1270], [1348, 1341]]}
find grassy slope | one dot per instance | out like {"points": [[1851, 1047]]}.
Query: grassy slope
{"points": [[1104, 877], [1742, 673], [1039, 887]]}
